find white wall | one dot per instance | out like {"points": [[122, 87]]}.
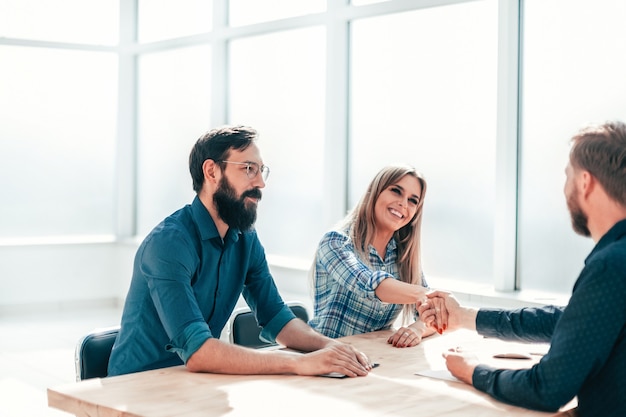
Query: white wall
{"points": [[66, 276], [51, 277]]}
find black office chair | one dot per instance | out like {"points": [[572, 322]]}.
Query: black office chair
{"points": [[93, 351], [245, 331]]}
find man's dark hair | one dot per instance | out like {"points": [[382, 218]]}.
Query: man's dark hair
{"points": [[216, 145]]}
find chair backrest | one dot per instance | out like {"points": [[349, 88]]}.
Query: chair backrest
{"points": [[93, 351], [245, 331]]}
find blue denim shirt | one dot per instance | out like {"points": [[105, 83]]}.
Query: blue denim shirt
{"points": [[186, 282], [587, 356]]}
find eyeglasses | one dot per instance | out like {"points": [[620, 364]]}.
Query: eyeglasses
{"points": [[252, 169]]}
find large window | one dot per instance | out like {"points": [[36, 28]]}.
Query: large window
{"points": [[165, 19], [573, 73], [57, 142], [277, 86], [77, 21], [246, 12], [424, 93], [101, 102], [174, 110]]}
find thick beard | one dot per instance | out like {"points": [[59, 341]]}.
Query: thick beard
{"points": [[579, 218], [233, 210]]}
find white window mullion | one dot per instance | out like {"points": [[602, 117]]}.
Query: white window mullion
{"points": [[505, 239], [337, 123], [219, 64], [126, 172]]}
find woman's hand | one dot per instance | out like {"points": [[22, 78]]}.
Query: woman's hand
{"points": [[406, 337]]}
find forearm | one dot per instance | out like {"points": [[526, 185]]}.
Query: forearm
{"points": [[393, 291], [300, 336], [215, 356], [528, 324]]}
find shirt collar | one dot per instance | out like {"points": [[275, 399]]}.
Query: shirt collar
{"points": [[206, 225], [391, 246], [615, 233]]}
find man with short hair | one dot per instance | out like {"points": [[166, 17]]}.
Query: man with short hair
{"points": [[191, 269], [587, 356]]}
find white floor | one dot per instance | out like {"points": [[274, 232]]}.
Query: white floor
{"points": [[37, 352]]}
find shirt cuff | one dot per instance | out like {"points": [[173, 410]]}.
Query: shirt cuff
{"points": [[271, 329], [190, 340]]}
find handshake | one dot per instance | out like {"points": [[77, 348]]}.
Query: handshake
{"points": [[441, 311]]}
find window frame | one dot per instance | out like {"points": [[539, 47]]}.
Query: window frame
{"points": [[337, 19]]}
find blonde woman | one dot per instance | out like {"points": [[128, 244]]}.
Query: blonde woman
{"points": [[368, 269]]}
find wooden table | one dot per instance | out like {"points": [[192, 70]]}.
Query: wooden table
{"points": [[393, 388]]}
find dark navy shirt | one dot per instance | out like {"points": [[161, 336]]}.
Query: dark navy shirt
{"points": [[186, 282], [587, 356]]}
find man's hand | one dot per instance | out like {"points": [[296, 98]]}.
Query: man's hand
{"points": [[461, 365], [337, 357], [325, 355]]}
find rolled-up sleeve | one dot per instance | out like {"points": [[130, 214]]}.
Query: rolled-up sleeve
{"points": [[272, 329], [190, 340]]}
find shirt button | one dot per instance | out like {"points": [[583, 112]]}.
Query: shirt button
{"points": [[383, 268]]}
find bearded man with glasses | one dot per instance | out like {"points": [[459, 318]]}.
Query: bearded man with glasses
{"points": [[191, 269]]}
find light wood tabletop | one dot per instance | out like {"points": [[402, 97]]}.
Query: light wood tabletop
{"points": [[393, 388]]}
